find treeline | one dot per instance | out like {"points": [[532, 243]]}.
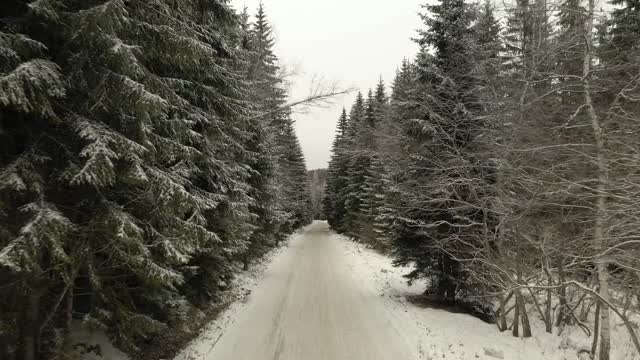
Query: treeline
{"points": [[145, 150], [317, 182], [504, 164]]}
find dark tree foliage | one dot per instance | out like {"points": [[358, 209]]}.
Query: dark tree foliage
{"points": [[333, 204], [621, 43], [279, 181], [447, 170], [318, 183], [420, 188], [502, 167], [136, 164]]}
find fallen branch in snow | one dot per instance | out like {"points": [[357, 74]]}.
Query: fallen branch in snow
{"points": [[217, 340]]}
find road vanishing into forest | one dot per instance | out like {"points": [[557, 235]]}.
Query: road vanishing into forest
{"points": [[309, 307]]}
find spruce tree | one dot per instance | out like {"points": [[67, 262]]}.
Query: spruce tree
{"points": [[36, 237], [143, 151], [572, 21], [318, 182], [376, 188], [334, 207], [619, 37], [262, 72], [148, 182], [357, 167], [445, 171], [299, 193], [390, 221], [290, 165], [487, 46], [375, 183]]}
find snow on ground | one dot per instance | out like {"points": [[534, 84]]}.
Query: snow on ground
{"points": [[93, 344], [438, 334], [309, 306], [244, 284]]}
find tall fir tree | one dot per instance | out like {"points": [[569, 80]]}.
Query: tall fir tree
{"points": [[356, 151], [445, 170], [375, 183], [262, 71], [297, 195], [35, 236], [291, 177], [334, 207], [619, 40], [141, 166]]}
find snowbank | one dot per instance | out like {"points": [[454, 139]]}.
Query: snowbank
{"points": [[439, 334]]}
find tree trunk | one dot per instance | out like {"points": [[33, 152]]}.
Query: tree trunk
{"points": [[599, 240], [563, 315], [603, 282], [586, 310], [446, 286], [67, 345], [548, 313], [596, 331], [627, 304], [521, 310], [631, 330], [503, 313], [526, 326], [516, 317], [30, 327]]}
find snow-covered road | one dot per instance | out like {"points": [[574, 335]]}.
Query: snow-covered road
{"points": [[325, 297], [309, 306]]}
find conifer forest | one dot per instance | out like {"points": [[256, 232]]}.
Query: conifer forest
{"points": [[150, 165]]}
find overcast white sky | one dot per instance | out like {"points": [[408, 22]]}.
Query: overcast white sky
{"points": [[353, 42]]}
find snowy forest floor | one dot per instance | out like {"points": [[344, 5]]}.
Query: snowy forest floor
{"points": [[441, 334], [307, 306]]}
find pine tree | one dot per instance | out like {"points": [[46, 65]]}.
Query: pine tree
{"points": [[297, 196], [444, 171], [528, 35], [334, 207], [620, 44], [487, 46], [262, 71], [611, 98], [291, 176], [572, 21], [570, 38], [375, 182], [376, 188], [35, 236], [394, 156], [359, 162], [142, 151], [318, 180], [144, 162]]}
